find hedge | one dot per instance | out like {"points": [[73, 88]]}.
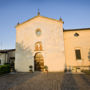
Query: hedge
{"points": [[4, 69], [86, 71]]}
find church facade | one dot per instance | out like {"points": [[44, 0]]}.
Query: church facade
{"points": [[42, 41]]}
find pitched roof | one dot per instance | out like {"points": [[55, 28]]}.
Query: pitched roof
{"points": [[6, 50], [41, 17], [65, 30]]}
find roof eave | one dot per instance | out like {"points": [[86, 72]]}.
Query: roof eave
{"points": [[76, 29], [35, 17]]}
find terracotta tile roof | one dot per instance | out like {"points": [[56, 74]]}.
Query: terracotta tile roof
{"points": [[76, 29], [6, 50]]}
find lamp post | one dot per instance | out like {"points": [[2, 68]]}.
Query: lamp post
{"points": [[89, 58]]}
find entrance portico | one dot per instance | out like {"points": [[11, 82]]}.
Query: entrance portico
{"points": [[38, 62]]}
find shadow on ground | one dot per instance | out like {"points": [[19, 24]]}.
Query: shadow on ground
{"points": [[8, 82], [68, 82], [45, 81]]}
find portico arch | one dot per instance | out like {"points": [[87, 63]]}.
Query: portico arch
{"points": [[38, 62]]}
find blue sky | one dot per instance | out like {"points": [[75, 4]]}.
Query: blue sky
{"points": [[75, 14]]}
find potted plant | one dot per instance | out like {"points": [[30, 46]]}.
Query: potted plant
{"points": [[30, 67], [46, 68]]}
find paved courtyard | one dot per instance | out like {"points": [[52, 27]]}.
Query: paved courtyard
{"points": [[44, 81]]}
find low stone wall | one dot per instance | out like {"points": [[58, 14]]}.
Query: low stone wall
{"points": [[77, 68]]}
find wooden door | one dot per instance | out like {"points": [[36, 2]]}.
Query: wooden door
{"points": [[39, 62]]}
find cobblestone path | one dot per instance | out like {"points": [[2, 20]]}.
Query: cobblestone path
{"points": [[44, 81]]}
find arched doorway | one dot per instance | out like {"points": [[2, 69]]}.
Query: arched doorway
{"points": [[39, 62]]}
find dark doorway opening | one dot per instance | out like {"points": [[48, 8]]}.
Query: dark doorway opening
{"points": [[38, 62]]}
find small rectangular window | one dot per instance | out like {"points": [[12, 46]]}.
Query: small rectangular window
{"points": [[78, 54]]}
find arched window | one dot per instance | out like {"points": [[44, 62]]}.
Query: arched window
{"points": [[38, 46], [38, 32], [76, 34]]}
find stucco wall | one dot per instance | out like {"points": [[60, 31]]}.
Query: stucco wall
{"points": [[6, 55], [3, 58], [81, 42], [52, 42]]}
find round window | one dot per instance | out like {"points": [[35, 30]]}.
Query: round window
{"points": [[38, 32]]}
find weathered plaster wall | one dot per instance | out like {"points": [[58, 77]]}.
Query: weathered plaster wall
{"points": [[52, 42], [3, 58], [81, 42]]}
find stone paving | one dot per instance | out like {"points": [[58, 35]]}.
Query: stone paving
{"points": [[44, 81]]}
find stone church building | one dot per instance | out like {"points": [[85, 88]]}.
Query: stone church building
{"points": [[42, 41]]}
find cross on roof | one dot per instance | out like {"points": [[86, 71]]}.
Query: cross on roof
{"points": [[38, 12]]}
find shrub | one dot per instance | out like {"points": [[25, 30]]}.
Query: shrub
{"points": [[4, 69], [86, 71], [46, 68]]}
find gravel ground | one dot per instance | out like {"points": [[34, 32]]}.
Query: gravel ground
{"points": [[44, 81]]}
